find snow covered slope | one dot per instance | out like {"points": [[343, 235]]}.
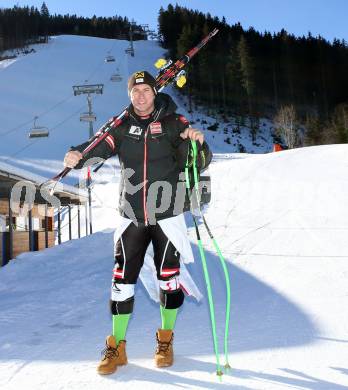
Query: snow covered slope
{"points": [[40, 84], [281, 222], [280, 219]]}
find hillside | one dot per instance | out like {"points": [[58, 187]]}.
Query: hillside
{"points": [[280, 219], [40, 84]]}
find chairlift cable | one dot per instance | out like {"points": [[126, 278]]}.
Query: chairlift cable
{"points": [[101, 63], [53, 128], [18, 127], [38, 116], [45, 112]]}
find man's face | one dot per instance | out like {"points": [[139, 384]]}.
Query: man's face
{"points": [[142, 97]]}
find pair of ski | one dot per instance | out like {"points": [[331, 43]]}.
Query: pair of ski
{"points": [[194, 196]]}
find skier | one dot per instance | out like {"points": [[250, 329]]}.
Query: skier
{"points": [[152, 144]]}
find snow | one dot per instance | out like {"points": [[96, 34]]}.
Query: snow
{"points": [[279, 218]]}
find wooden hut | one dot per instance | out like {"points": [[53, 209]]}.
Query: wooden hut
{"points": [[31, 227]]}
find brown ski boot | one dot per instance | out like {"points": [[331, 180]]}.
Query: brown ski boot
{"points": [[164, 351], [113, 356]]}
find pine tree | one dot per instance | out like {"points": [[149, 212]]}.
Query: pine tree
{"points": [[337, 131], [45, 19], [314, 131], [206, 85], [44, 11], [183, 45], [184, 42], [234, 77], [247, 70]]}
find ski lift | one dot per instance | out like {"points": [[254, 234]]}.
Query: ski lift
{"points": [[130, 51], [109, 59], [38, 131], [87, 117], [116, 77]]}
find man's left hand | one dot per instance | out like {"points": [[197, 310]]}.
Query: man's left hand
{"points": [[193, 134]]}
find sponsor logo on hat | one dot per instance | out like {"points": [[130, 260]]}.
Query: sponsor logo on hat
{"points": [[137, 81], [139, 74]]}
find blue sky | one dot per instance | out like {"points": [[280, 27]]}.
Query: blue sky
{"points": [[325, 17]]}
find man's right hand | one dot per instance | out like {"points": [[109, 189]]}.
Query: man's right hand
{"points": [[72, 158]]}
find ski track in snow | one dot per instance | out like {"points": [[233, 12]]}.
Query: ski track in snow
{"points": [[280, 219]]}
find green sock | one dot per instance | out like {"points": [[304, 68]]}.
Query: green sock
{"points": [[168, 317], [119, 326]]}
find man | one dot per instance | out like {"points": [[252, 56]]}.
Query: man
{"points": [[152, 145]]}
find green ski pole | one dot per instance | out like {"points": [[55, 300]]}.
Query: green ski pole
{"points": [[207, 280], [217, 248]]}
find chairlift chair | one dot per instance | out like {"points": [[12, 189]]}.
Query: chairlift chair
{"points": [[116, 77], [130, 51], [87, 117], [38, 131], [109, 59]]}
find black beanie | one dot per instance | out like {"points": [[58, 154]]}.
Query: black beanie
{"points": [[141, 77]]}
